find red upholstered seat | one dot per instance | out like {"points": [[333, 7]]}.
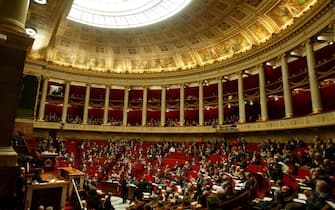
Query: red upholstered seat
{"points": [[303, 172]]}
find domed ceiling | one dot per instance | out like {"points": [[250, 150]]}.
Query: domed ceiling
{"points": [[204, 32]]}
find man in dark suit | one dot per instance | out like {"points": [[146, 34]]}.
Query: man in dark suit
{"points": [[250, 181], [20, 188], [108, 204], [124, 189], [92, 200], [142, 187], [315, 200]]}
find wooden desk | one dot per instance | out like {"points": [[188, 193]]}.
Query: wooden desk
{"points": [[114, 188], [69, 173], [131, 192], [46, 194], [111, 186]]}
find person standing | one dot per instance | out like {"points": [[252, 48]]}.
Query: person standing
{"points": [[124, 189], [21, 188], [108, 203]]}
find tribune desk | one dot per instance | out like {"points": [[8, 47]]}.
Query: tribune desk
{"points": [[51, 193], [69, 174], [48, 161]]}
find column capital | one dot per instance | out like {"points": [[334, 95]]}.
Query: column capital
{"points": [[259, 66], [284, 55], [44, 77], [308, 41], [8, 156]]}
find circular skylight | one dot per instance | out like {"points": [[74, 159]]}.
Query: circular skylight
{"points": [[124, 13]]}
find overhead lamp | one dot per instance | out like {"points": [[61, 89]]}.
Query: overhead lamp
{"points": [[31, 31], [268, 63], [41, 1]]}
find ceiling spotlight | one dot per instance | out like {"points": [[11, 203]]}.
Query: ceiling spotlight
{"points": [[41, 1], [31, 31]]}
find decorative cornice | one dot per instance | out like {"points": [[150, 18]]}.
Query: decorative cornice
{"points": [[317, 120]]}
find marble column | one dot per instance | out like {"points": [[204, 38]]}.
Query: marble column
{"points": [[182, 105], [262, 93], [313, 80], [14, 45], [144, 106], [163, 106], [241, 104], [66, 101], [286, 87], [106, 106], [39, 79], [41, 112], [201, 103], [220, 102], [125, 106], [87, 102]]}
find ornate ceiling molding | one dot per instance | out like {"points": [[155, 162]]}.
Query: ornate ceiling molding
{"points": [[316, 19]]}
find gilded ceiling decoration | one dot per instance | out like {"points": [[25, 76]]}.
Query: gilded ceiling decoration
{"points": [[203, 33]]}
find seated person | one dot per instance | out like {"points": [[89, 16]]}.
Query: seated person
{"points": [[315, 200], [250, 181]]}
